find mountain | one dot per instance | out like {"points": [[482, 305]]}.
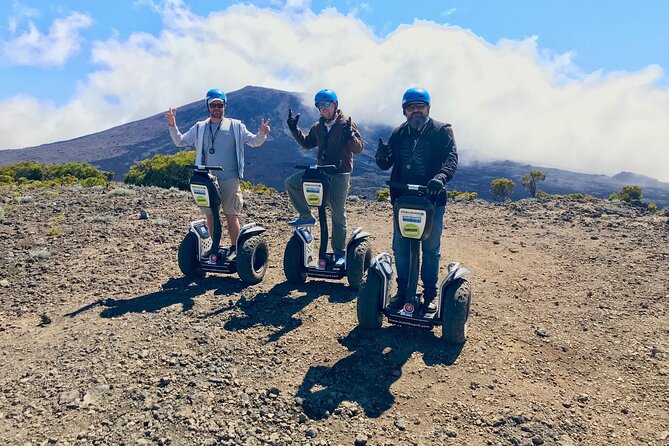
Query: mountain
{"points": [[120, 147]]}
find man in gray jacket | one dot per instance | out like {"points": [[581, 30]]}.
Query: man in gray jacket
{"points": [[219, 141]]}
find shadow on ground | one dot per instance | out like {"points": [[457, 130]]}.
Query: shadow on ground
{"points": [[175, 291], [278, 306], [366, 375]]}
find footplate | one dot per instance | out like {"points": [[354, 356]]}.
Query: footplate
{"points": [[411, 316], [224, 267], [327, 273]]}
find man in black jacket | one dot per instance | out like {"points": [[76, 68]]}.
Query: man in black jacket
{"points": [[420, 151]]}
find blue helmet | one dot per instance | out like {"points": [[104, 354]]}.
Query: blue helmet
{"points": [[415, 95], [215, 93], [325, 95]]}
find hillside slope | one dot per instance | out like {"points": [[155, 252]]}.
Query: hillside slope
{"points": [[120, 147], [103, 343]]}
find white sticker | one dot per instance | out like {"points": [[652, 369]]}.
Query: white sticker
{"points": [[313, 193], [200, 194], [412, 223]]}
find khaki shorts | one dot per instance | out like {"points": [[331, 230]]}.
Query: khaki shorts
{"points": [[231, 197]]}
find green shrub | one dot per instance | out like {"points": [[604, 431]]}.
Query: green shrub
{"points": [[589, 198], [259, 188], [613, 196], [31, 175], [542, 194], [575, 196], [530, 181], [629, 193], [652, 207], [465, 196], [55, 231], [163, 171], [383, 194], [502, 188], [94, 182]]}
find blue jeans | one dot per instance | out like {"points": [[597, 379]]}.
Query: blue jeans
{"points": [[340, 184], [430, 247]]}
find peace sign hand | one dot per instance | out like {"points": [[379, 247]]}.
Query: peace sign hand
{"points": [[264, 126], [171, 117]]}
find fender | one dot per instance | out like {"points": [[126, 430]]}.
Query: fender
{"points": [[357, 234], [248, 230]]}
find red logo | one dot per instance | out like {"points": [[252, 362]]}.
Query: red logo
{"points": [[322, 263], [213, 257], [408, 308]]}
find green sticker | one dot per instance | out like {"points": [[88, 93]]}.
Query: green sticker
{"points": [[410, 230], [313, 200]]}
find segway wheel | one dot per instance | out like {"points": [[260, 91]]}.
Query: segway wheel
{"points": [[252, 257], [293, 266], [455, 312], [368, 305], [189, 264], [358, 259]]}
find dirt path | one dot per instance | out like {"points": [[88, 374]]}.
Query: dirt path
{"points": [[103, 343]]}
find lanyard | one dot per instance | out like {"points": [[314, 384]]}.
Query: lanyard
{"points": [[213, 136], [415, 146]]}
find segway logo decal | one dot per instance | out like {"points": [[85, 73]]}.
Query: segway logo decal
{"points": [[313, 193], [412, 223], [407, 310], [200, 194]]}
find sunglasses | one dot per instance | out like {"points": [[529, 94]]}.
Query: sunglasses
{"points": [[418, 106], [217, 105], [323, 104]]}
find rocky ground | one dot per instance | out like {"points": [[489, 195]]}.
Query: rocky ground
{"points": [[102, 342]]}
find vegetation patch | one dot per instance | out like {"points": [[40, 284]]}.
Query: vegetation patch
{"points": [[32, 175]]}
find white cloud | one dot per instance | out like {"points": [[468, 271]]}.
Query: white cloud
{"points": [[448, 12], [33, 48], [511, 99]]}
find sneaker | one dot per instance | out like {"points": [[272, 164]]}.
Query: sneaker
{"points": [[339, 261], [430, 303], [310, 221], [396, 302]]}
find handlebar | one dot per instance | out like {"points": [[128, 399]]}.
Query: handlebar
{"points": [[326, 168], [403, 186], [203, 168]]}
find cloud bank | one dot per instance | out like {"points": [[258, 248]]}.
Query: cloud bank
{"points": [[33, 48], [511, 99]]}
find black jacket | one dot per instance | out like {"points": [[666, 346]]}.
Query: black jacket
{"points": [[332, 149], [417, 157]]}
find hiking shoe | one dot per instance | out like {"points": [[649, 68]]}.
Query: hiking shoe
{"points": [[396, 302], [310, 221], [430, 303]]}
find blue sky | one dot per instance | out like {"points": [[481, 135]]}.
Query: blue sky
{"points": [[508, 74]]}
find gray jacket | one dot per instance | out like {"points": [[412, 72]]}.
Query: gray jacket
{"points": [[194, 137]]}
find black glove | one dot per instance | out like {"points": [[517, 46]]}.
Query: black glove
{"points": [[384, 151], [346, 130], [434, 187], [292, 122]]}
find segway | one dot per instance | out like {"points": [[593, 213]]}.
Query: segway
{"points": [[302, 260], [413, 216], [199, 251]]}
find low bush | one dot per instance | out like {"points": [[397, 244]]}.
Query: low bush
{"points": [[383, 194]]}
